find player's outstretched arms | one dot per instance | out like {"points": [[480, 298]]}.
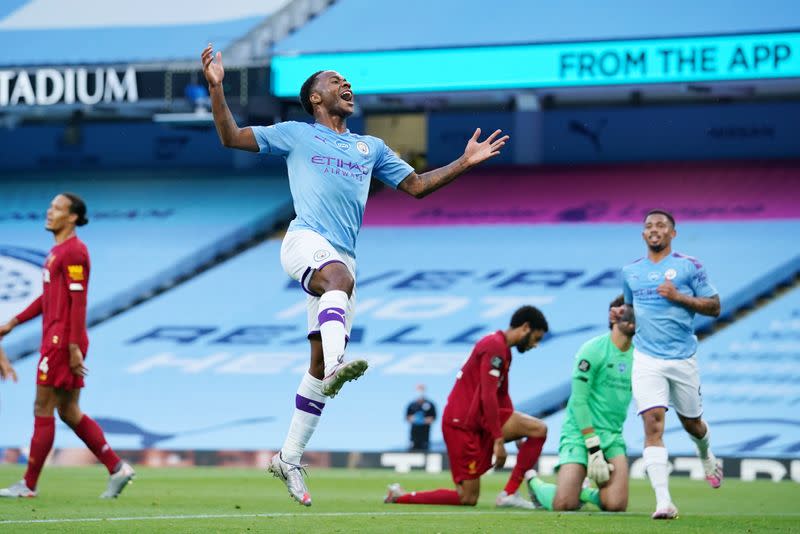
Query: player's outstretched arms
{"points": [[421, 185], [229, 132]]}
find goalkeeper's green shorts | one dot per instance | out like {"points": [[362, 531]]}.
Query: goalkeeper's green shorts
{"points": [[572, 448]]}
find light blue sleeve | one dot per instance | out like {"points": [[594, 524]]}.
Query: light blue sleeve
{"points": [[277, 140], [389, 168], [626, 289], [700, 284]]}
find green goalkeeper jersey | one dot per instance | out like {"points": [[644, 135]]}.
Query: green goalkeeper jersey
{"points": [[601, 388]]}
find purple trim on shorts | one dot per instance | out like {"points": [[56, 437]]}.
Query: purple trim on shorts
{"points": [[329, 262], [308, 405], [653, 408], [687, 417], [303, 282], [330, 314]]}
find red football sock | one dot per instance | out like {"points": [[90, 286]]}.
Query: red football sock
{"points": [[44, 432], [528, 455], [439, 496], [92, 435]]}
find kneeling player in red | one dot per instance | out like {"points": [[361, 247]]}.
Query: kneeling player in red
{"points": [[479, 419], [59, 375]]}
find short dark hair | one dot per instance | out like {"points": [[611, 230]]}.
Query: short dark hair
{"points": [[531, 315], [305, 92], [665, 213], [78, 207], [619, 301]]}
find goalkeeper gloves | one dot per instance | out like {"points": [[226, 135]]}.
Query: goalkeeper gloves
{"points": [[597, 468]]}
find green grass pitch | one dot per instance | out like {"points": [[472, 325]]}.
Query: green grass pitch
{"points": [[236, 500]]}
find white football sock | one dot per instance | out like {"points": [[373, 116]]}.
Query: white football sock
{"points": [[655, 461], [309, 403], [703, 444], [331, 316]]}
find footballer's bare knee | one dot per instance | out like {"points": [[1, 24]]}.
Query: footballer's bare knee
{"points": [[653, 425], [612, 504], [565, 504], [45, 402], [468, 492], [468, 500], [70, 414], [539, 430], [333, 277], [694, 425]]}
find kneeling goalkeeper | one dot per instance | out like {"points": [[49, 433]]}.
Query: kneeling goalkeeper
{"points": [[591, 436]]}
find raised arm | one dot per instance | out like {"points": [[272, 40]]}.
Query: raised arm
{"points": [[229, 132], [421, 185]]}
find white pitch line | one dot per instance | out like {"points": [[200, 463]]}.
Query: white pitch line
{"points": [[464, 513]]}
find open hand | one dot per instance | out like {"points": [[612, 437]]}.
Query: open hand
{"points": [[212, 66], [499, 454], [478, 152], [6, 370], [76, 361]]}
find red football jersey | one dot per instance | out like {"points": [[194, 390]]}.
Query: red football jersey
{"points": [[63, 300], [481, 387]]}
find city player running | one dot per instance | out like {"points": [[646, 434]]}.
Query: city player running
{"points": [[666, 290], [329, 176]]}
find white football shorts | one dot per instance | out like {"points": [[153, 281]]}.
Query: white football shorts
{"points": [[304, 252], [659, 382]]}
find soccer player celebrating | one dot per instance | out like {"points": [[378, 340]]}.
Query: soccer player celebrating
{"points": [[479, 419], [667, 289], [329, 176], [61, 368], [591, 436]]}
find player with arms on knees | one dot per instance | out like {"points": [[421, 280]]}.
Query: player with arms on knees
{"points": [[329, 176], [667, 289], [591, 436], [61, 369], [479, 419]]}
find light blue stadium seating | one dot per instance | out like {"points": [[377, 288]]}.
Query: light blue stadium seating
{"points": [[146, 230], [750, 387], [230, 344]]}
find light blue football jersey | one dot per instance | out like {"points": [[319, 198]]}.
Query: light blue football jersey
{"points": [[665, 329], [329, 176]]}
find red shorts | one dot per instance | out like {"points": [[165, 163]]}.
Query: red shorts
{"points": [[470, 453], [53, 370]]}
